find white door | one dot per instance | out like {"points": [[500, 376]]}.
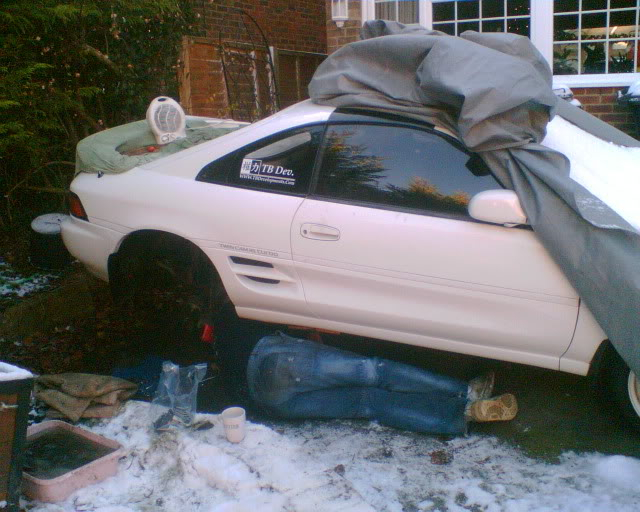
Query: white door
{"points": [[263, 186], [385, 246]]}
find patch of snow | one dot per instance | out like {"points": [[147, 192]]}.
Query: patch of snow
{"points": [[9, 372], [346, 466], [13, 284], [608, 171], [620, 471]]}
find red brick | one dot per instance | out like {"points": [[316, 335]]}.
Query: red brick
{"points": [[599, 109], [613, 118], [591, 99], [609, 98]]}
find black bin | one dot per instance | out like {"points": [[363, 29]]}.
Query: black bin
{"points": [[632, 101]]}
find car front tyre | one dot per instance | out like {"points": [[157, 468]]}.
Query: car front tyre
{"points": [[621, 388]]}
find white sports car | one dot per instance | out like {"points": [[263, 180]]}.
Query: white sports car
{"points": [[352, 221]]}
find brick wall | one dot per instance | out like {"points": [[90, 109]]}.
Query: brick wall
{"points": [[287, 24], [336, 36], [601, 102]]}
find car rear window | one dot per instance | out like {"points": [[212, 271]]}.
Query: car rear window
{"points": [[279, 163]]}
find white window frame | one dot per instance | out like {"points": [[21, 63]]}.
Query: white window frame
{"points": [[541, 36]]}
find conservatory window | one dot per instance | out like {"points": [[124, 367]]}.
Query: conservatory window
{"points": [[404, 11], [595, 36], [589, 42], [483, 16]]}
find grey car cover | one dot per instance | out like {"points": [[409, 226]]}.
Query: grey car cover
{"points": [[494, 91]]}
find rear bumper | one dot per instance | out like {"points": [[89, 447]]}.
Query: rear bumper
{"points": [[91, 244]]}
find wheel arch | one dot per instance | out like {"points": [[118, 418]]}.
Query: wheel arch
{"points": [[138, 246]]}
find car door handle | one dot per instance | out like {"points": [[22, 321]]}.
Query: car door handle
{"points": [[319, 232]]}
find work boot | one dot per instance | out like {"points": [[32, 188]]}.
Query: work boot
{"points": [[501, 408], [481, 387]]}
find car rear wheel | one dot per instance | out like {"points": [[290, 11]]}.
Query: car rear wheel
{"points": [[170, 285], [621, 388]]}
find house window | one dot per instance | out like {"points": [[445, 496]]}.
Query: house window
{"points": [[595, 36], [404, 11], [588, 42], [483, 16]]}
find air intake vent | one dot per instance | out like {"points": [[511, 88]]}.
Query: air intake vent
{"points": [[247, 261]]}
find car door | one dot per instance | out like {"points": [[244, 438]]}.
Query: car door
{"points": [[384, 247], [263, 184]]}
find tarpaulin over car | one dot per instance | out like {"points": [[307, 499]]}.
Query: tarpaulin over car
{"points": [[122, 148], [494, 91]]}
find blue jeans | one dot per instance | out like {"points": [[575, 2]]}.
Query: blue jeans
{"points": [[297, 378]]}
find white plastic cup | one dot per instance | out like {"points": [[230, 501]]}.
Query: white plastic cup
{"points": [[233, 419]]}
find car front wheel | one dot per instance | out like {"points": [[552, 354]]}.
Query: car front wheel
{"points": [[621, 387]]}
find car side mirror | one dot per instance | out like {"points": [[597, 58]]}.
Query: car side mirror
{"points": [[498, 207]]}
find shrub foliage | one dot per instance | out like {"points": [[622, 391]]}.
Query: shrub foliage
{"points": [[69, 69]]}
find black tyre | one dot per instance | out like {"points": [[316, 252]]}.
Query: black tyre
{"points": [[621, 388], [171, 288]]}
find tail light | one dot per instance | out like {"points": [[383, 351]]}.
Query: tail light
{"points": [[75, 207]]}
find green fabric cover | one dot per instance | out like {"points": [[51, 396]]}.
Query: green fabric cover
{"points": [[102, 152]]}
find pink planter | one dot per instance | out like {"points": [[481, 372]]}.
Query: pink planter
{"points": [[62, 459]]}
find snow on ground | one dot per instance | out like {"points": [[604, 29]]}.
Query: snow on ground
{"points": [[347, 466], [608, 171], [14, 284], [10, 372]]}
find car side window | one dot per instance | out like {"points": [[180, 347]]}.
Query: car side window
{"points": [[280, 163], [401, 167]]}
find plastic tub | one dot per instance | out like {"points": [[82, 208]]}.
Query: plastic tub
{"points": [[62, 458]]}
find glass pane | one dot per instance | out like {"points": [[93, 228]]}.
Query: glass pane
{"points": [[593, 5], [444, 11], [399, 167], [593, 58], [492, 9], [468, 25], [468, 10], [565, 6], [565, 28], [617, 4], [622, 24], [594, 26], [408, 11], [621, 56], [447, 28], [519, 26], [565, 59], [518, 7], [493, 26], [386, 10]]}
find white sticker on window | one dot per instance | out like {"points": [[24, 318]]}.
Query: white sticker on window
{"points": [[257, 171]]}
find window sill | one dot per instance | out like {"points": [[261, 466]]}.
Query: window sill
{"points": [[613, 80]]}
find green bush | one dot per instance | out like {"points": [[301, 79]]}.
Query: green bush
{"points": [[69, 69]]}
